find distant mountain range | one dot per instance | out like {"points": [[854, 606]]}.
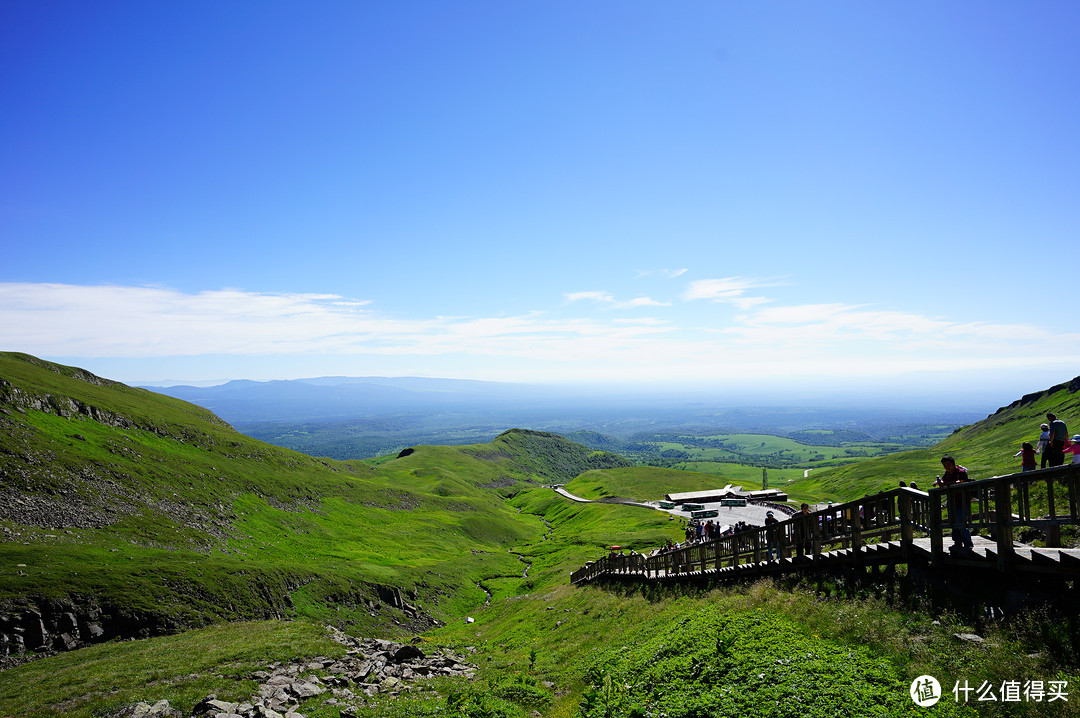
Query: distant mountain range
{"points": [[356, 417], [336, 397]]}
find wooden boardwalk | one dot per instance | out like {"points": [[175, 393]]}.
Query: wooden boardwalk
{"points": [[899, 526]]}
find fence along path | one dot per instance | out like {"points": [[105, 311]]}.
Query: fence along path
{"points": [[901, 525]]}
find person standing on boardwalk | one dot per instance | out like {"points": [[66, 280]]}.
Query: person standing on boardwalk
{"points": [[1055, 447], [802, 530], [958, 505], [1044, 439], [772, 538]]}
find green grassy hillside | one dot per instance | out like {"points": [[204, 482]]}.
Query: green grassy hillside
{"points": [[986, 448], [641, 483], [163, 517]]}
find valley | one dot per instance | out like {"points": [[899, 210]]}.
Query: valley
{"points": [[130, 515]]}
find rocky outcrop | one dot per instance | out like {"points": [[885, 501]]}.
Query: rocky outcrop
{"points": [[37, 627], [43, 627], [372, 666]]}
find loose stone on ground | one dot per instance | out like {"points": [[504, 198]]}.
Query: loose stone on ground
{"points": [[371, 667]]}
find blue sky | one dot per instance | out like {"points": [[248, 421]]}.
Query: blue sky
{"points": [[707, 192]]}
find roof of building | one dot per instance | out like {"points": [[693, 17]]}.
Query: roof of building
{"points": [[729, 490]]}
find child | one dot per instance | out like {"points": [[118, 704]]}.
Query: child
{"points": [[1027, 451], [1044, 439], [1074, 449]]}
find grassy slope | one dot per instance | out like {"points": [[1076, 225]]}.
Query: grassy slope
{"points": [[786, 650], [184, 669], [203, 523], [641, 483], [985, 448]]}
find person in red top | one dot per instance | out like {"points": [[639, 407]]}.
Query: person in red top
{"points": [[959, 508], [1027, 454]]}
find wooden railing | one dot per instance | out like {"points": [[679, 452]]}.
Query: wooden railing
{"points": [[1045, 499]]}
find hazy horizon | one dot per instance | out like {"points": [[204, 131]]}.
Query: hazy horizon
{"points": [[943, 395]]}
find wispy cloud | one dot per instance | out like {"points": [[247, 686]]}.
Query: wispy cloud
{"points": [[665, 273], [729, 290], [595, 296], [607, 299], [571, 341], [71, 320]]}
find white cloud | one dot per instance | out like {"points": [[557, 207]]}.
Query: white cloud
{"points": [[666, 273], [596, 296], [144, 323], [69, 320], [608, 299], [730, 290], [643, 302]]}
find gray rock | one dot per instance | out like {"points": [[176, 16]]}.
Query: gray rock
{"points": [[408, 653], [264, 712], [161, 709], [303, 690], [211, 706]]}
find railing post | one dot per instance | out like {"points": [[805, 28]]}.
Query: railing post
{"points": [[1003, 506], [856, 534], [937, 540], [907, 529], [1053, 533], [755, 545], [1070, 482]]}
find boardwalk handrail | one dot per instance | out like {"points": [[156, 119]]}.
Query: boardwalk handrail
{"points": [[1045, 499]]}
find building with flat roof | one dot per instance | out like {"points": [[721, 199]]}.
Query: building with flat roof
{"points": [[728, 492]]}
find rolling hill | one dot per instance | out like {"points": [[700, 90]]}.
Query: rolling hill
{"points": [[128, 514], [139, 514]]}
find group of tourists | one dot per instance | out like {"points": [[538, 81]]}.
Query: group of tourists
{"points": [[698, 531], [1053, 444]]}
